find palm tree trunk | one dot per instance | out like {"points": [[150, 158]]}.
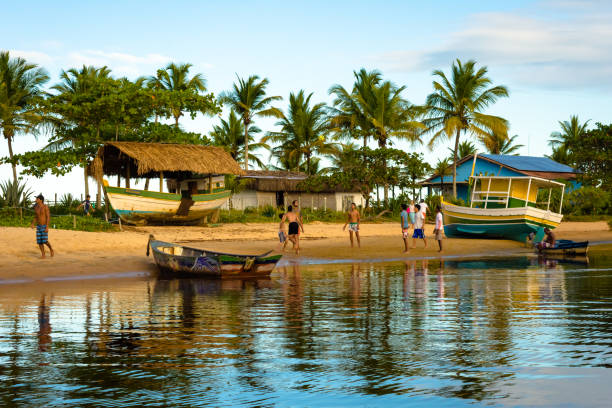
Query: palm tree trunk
{"points": [[455, 163], [99, 195], [85, 174], [246, 146], [10, 147], [176, 118], [146, 186]]}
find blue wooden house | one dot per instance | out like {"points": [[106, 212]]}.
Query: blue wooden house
{"points": [[498, 165]]}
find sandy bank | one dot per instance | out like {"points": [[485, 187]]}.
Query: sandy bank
{"points": [[95, 253]]}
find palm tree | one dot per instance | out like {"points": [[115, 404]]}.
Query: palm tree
{"points": [[456, 106], [571, 131], [230, 136], [342, 157], [377, 109], [248, 99], [347, 117], [20, 84], [466, 148], [175, 77], [303, 131], [442, 169], [497, 144]]}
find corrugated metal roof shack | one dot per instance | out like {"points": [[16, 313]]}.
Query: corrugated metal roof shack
{"points": [[280, 188], [499, 165]]}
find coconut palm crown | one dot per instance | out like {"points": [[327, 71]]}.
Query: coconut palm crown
{"points": [[456, 106], [248, 99], [20, 83], [304, 131], [230, 136]]}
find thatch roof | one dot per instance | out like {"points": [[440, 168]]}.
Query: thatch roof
{"points": [[175, 160], [269, 180], [283, 181]]}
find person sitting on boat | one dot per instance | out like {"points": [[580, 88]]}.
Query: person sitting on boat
{"points": [[549, 240]]}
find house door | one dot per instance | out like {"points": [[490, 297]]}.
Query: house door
{"points": [[280, 199]]}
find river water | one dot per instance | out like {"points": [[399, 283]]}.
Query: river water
{"points": [[520, 331]]}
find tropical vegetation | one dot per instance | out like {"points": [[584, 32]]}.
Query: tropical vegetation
{"points": [[351, 143]]}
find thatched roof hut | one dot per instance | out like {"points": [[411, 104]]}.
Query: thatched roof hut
{"points": [[269, 180], [288, 181], [147, 160]]}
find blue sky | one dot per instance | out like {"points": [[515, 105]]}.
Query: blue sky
{"points": [[554, 56]]}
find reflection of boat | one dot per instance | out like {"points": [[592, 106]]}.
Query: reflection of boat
{"points": [[566, 247], [194, 178], [178, 260], [503, 207]]}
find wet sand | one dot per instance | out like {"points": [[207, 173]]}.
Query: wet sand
{"points": [[85, 254]]}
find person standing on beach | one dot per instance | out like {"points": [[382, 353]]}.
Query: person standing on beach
{"points": [[282, 235], [353, 220], [438, 230], [295, 224], [41, 218], [418, 227], [424, 208], [405, 220], [296, 208], [86, 206], [412, 213]]}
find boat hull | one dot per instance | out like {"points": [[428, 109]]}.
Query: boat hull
{"points": [[140, 206], [506, 223], [207, 264]]}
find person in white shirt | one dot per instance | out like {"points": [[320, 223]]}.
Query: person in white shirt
{"points": [[438, 230], [418, 227], [424, 208]]}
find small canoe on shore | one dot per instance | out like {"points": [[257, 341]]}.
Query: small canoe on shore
{"points": [[177, 260], [567, 247]]}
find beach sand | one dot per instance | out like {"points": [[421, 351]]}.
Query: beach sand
{"points": [[88, 254]]}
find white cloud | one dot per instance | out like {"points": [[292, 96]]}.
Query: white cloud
{"points": [[36, 57], [566, 45]]}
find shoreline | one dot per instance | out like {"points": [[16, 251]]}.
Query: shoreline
{"points": [[94, 255]]}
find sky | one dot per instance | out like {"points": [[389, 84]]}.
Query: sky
{"points": [[554, 56]]}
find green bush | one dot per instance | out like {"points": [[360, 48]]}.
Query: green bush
{"points": [[15, 194], [587, 201], [268, 211]]}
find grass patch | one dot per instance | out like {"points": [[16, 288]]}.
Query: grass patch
{"points": [[11, 218]]}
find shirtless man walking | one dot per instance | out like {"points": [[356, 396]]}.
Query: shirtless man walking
{"points": [[42, 219], [353, 220], [295, 224]]}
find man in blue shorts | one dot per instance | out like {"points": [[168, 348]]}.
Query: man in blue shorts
{"points": [[419, 225], [42, 218]]}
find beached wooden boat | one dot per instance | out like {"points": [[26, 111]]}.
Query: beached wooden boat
{"points": [[503, 207], [566, 247], [178, 260], [193, 178]]}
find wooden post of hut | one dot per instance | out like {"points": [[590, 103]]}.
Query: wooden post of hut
{"points": [[128, 175], [210, 185], [161, 181]]}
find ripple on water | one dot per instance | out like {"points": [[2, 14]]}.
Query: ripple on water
{"points": [[415, 332]]}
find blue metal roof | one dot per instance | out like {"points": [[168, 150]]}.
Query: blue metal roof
{"points": [[529, 163]]}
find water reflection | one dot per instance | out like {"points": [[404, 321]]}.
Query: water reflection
{"points": [[428, 332]]}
